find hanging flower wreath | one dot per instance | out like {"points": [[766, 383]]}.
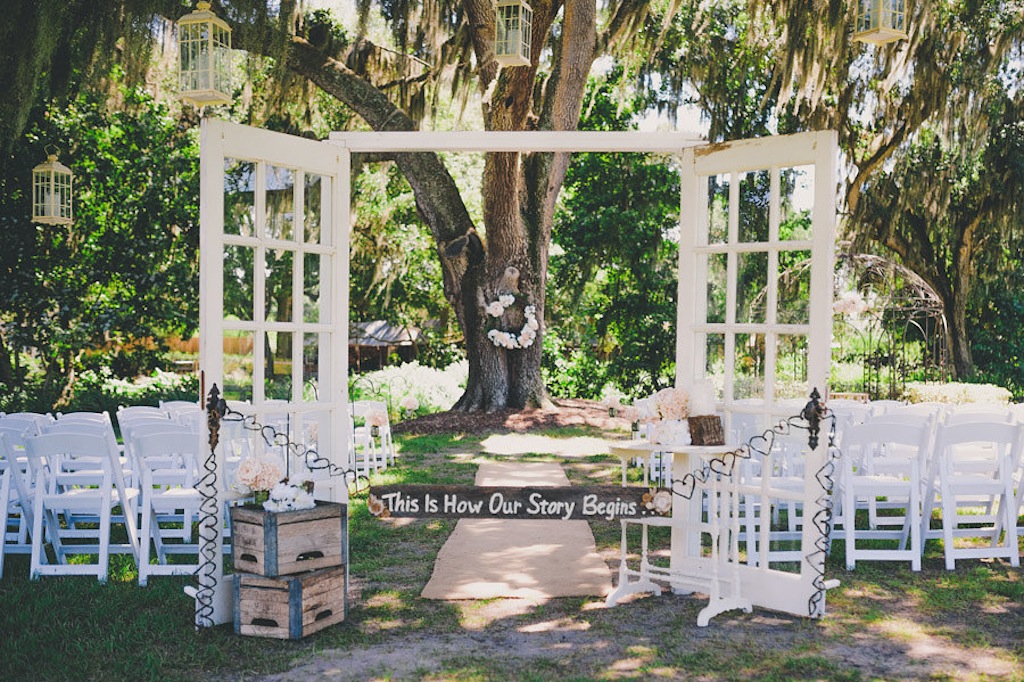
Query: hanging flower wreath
{"points": [[526, 336]]}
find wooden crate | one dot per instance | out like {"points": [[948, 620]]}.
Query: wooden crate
{"points": [[290, 607], [272, 544]]}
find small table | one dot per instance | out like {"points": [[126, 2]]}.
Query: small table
{"points": [[690, 570]]}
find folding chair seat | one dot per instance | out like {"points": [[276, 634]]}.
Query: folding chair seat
{"points": [[972, 476], [169, 505], [882, 460], [75, 503]]}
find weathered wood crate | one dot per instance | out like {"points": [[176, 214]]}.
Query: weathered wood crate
{"points": [[272, 544], [290, 607]]}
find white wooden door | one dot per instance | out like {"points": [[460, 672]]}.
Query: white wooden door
{"points": [[757, 232], [274, 264]]}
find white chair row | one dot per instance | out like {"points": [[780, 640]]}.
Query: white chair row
{"points": [[900, 471], [69, 487]]}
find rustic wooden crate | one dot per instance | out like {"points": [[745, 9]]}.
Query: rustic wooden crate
{"points": [[272, 544], [706, 430], [290, 607]]}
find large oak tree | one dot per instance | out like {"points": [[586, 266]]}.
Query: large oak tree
{"points": [[751, 67]]}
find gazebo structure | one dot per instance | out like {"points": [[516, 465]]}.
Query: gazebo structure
{"points": [[725, 240]]}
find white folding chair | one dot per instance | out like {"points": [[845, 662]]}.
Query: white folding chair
{"points": [[15, 502], [75, 500], [167, 462], [973, 479], [882, 460]]}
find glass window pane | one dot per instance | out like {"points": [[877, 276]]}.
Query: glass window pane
{"points": [[714, 362], [748, 381], [238, 282], [751, 287], [278, 372], [791, 367], [279, 285], [310, 367], [311, 285], [239, 202], [794, 287], [280, 197], [718, 209], [797, 202], [717, 286], [315, 187], [238, 349], [755, 192]]}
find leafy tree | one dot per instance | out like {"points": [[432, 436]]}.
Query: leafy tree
{"points": [[125, 271], [614, 278]]}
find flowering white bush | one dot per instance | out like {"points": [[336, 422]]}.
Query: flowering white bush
{"points": [[850, 303], [957, 393], [258, 474], [288, 497]]}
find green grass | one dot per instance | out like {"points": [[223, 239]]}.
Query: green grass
{"points": [[75, 628]]}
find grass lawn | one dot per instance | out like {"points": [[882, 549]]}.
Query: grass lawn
{"points": [[883, 622]]}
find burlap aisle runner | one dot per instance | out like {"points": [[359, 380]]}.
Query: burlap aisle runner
{"points": [[488, 558]]}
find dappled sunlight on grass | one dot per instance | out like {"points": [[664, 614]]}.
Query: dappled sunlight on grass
{"points": [[518, 443], [934, 648]]}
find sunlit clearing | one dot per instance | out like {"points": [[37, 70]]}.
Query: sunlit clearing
{"points": [[390, 600], [923, 646], [556, 625], [520, 443]]}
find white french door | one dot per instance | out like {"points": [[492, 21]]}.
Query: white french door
{"points": [[756, 254], [274, 264]]}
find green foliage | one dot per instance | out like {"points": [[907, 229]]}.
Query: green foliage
{"points": [[98, 391], [126, 270], [571, 372], [612, 289]]}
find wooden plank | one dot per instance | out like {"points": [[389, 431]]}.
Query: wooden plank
{"points": [[505, 502]]}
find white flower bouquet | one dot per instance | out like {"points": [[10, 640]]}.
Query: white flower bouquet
{"points": [[287, 497]]}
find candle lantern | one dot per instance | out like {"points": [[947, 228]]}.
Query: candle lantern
{"points": [[51, 192], [512, 41], [880, 21], [204, 58]]}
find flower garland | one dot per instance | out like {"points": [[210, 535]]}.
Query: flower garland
{"points": [[502, 339]]}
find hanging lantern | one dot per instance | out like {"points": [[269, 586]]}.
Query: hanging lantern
{"points": [[880, 21], [51, 192], [512, 42], [204, 58]]}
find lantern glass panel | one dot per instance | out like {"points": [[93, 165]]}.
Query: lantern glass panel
{"points": [[513, 22], [51, 193], [204, 60]]}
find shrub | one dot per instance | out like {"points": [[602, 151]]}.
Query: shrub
{"points": [[956, 393], [99, 390], [436, 390]]}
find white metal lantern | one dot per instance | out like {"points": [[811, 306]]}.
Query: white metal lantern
{"points": [[880, 21], [512, 42], [51, 192], [204, 58]]}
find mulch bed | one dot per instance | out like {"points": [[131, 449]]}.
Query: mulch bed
{"points": [[564, 413]]}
